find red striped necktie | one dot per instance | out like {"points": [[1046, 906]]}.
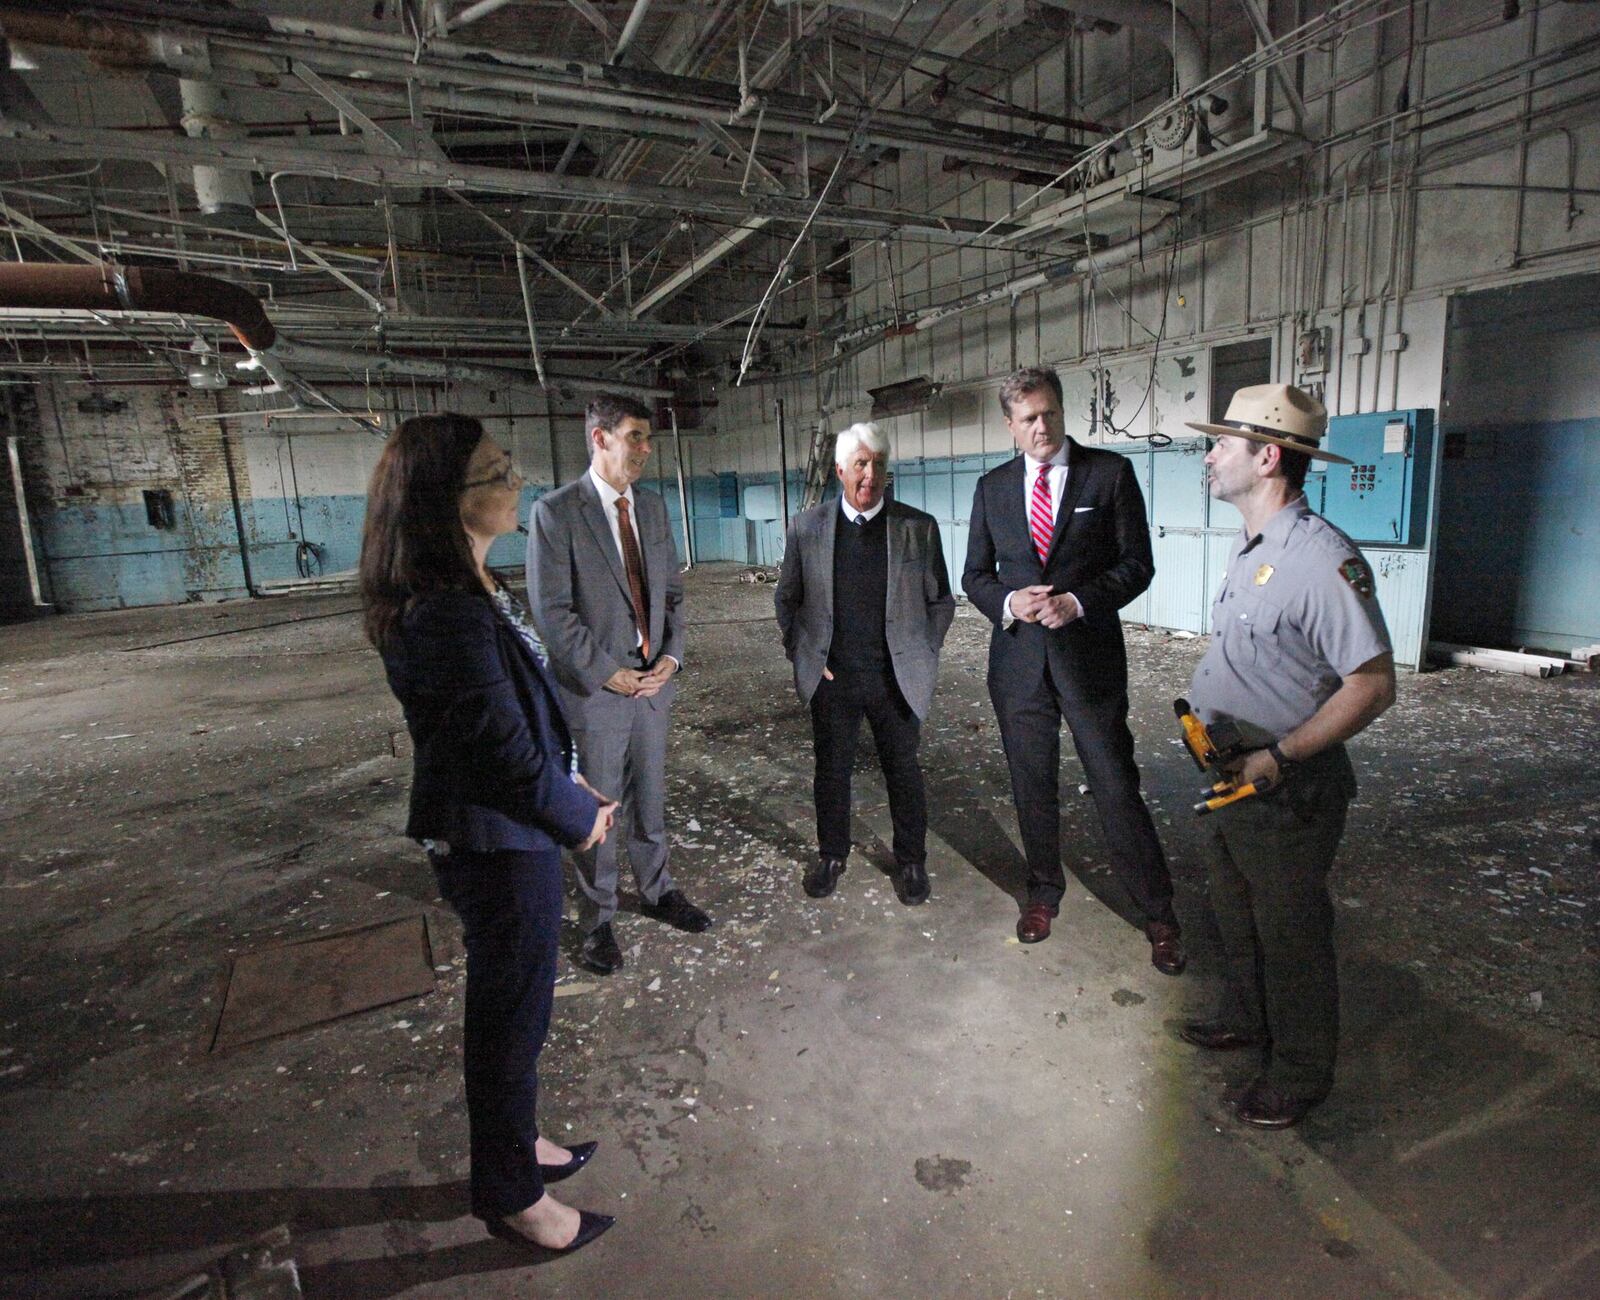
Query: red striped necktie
{"points": [[1041, 523]]}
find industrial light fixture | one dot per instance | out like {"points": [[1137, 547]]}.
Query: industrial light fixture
{"points": [[204, 369], [904, 397]]}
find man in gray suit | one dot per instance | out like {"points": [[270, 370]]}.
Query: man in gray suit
{"points": [[606, 596], [864, 604]]}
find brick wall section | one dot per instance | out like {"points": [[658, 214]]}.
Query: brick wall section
{"points": [[87, 473]]}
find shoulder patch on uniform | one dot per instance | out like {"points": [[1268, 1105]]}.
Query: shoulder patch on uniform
{"points": [[1358, 575]]}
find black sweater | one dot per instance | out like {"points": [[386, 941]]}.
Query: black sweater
{"points": [[860, 593]]}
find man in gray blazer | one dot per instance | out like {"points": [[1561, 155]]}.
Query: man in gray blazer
{"points": [[864, 604], [606, 596]]}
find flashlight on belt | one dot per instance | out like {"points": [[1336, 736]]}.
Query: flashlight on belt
{"points": [[1212, 748]]}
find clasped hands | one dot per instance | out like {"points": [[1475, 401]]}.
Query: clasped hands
{"points": [[605, 813], [1037, 605], [642, 684]]}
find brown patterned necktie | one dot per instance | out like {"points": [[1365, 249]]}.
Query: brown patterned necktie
{"points": [[634, 563]]}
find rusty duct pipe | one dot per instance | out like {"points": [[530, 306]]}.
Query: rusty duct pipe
{"points": [[139, 288], [111, 288]]}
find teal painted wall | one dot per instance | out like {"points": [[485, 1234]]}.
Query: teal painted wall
{"points": [[1519, 536]]}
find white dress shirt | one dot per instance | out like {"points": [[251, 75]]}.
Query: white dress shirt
{"points": [[862, 516], [609, 497]]}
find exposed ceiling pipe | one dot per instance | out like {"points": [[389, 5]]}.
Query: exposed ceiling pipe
{"points": [[630, 29], [222, 192], [107, 288], [1161, 21], [1158, 19], [382, 363], [411, 172], [259, 46], [137, 288], [473, 12], [1095, 263]]}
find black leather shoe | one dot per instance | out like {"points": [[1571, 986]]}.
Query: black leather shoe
{"points": [[677, 911], [1166, 947], [599, 952], [582, 1153], [911, 883], [590, 1226], [822, 876], [1215, 1036], [1263, 1106]]}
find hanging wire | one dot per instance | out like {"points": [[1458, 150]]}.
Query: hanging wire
{"points": [[764, 307]]}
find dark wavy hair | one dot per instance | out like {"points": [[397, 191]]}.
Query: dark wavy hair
{"points": [[413, 542]]}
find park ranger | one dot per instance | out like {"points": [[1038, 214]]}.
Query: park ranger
{"points": [[1300, 661]]}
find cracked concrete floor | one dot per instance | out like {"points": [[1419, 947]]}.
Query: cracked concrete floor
{"points": [[845, 1098]]}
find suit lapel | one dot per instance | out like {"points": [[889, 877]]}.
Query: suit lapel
{"points": [[1069, 499], [594, 515]]}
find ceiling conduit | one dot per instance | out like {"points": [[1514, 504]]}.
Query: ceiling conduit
{"points": [[858, 340], [108, 288]]}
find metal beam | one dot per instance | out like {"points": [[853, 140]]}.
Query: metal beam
{"points": [[525, 250], [347, 108], [28, 226], [1258, 20], [412, 172], [679, 279], [597, 20], [313, 256], [135, 39], [473, 12], [630, 29]]}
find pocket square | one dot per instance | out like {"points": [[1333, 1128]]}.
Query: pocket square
{"points": [[1078, 510]]}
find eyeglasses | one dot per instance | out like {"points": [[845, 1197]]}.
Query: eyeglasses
{"points": [[508, 477]]}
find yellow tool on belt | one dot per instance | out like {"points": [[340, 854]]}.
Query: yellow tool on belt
{"points": [[1211, 748]]}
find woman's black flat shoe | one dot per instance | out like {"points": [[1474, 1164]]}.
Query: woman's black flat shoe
{"points": [[590, 1226], [582, 1153]]}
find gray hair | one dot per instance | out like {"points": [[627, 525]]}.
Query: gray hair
{"points": [[869, 436]]}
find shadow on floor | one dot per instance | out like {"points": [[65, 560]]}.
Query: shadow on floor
{"points": [[38, 1237]]}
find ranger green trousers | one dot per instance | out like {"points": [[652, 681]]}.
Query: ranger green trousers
{"points": [[1269, 862]]}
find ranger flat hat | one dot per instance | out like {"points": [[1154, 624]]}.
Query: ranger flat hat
{"points": [[1277, 413]]}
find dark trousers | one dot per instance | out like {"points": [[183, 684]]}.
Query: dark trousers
{"points": [[1269, 859], [836, 712], [1030, 716], [510, 909]]}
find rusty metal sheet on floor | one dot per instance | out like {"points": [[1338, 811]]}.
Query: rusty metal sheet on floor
{"points": [[291, 986]]}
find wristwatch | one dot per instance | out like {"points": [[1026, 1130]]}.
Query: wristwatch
{"points": [[1283, 763]]}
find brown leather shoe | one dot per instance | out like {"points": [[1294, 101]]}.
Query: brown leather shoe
{"points": [[1166, 947], [1034, 923], [1263, 1106]]}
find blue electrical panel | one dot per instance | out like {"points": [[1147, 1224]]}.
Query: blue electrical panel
{"points": [[1381, 497]]}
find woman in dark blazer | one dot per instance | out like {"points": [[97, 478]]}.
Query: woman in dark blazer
{"points": [[494, 796]]}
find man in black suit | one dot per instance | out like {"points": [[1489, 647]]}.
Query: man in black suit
{"points": [[1058, 545]]}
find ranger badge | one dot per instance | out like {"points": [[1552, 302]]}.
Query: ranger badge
{"points": [[1355, 572]]}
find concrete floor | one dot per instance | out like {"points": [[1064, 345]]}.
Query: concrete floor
{"points": [[845, 1098]]}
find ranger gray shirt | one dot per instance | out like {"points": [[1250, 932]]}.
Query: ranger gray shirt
{"points": [[1297, 613]]}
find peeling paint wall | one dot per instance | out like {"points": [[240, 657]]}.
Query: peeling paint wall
{"points": [[87, 472]]}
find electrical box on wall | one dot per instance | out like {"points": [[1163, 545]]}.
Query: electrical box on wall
{"points": [[1381, 497]]}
